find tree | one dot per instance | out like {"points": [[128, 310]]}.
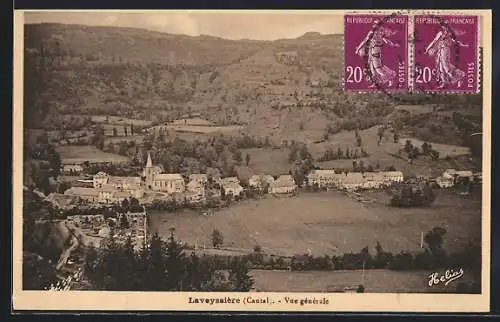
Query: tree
{"points": [[425, 148], [247, 159], [396, 137], [239, 275], [124, 224], [175, 264], [434, 239], [237, 156], [380, 133], [408, 146], [154, 279], [358, 140], [217, 238]]}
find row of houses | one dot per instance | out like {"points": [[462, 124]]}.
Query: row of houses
{"points": [[353, 180], [450, 176]]}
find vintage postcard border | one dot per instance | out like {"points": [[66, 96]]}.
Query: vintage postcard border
{"points": [[179, 301]]}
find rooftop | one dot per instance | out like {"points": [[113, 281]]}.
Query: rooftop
{"points": [[81, 191], [168, 176]]}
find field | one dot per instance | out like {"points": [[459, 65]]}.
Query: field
{"points": [[80, 153], [375, 281], [327, 223], [206, 129], [268, 161], [117, 139], [443, 149], [116, 120], [415, 109]]}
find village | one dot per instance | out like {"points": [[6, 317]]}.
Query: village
{"points": [[134, 194]]}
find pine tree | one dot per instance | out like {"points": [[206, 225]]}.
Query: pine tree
{"points": [[156, 270], [239, 275], [175, 264]]}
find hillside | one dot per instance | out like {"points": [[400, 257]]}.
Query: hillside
{"points": [[288, 89]]}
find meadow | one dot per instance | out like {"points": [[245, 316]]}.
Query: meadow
{"points": [[327, 223], [375, 281], [117, 120], [80, 153]]}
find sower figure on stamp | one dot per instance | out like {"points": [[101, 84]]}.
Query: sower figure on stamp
{"points": [[376, 39], [441, 48]]}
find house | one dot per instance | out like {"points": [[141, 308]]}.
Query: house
{"points": [[232, 188], [71, 169], [393, 176], [259, 182], [223, 181], [198, 177], [352, 181], [373, 180], [125, 183], [449, 176], [322, 178], [444, 183], [89, 194], [194, 186], [100, 179], [285, 184]]}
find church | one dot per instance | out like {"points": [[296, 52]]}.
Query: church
{"points": [[156, 180]]}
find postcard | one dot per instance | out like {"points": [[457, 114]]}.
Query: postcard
{"points": [[252, 160]]}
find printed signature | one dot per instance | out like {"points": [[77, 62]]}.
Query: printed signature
{"points": [[449, 276]]}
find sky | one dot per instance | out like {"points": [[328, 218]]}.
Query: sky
{"points": [[229, 25]]}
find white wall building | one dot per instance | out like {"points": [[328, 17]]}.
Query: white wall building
{"points": [[285, 184]]}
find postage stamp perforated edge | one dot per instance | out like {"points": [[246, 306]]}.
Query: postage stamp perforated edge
{"points": [[411, 49]]}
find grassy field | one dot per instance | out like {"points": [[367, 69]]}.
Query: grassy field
{"points": [[375, 281], [116, 120], [118, 139], [415, 109], [327, 223], [81, 153], [443, 149], [268, 161], [206, 129]]}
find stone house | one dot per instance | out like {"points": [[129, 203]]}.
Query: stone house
{"points": [[323, 178], [285, 184]]}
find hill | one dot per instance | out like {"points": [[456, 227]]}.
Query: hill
{"points": [[289, 89]]}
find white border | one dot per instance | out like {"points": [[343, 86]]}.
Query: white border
{"points": [[153, 301]]}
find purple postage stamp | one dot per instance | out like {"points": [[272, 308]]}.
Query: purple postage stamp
{"points": [[445, 53], [375, 53]]}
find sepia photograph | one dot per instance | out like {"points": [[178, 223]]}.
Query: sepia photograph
{"points": [[204, 160]]}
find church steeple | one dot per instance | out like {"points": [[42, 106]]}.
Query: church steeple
{"points": [[149, 163]]}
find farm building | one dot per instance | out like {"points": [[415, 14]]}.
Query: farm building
{"points": [[373, 180], [393, 176], [352, 181], [323, 178], [285, 184], [232, 188]]}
